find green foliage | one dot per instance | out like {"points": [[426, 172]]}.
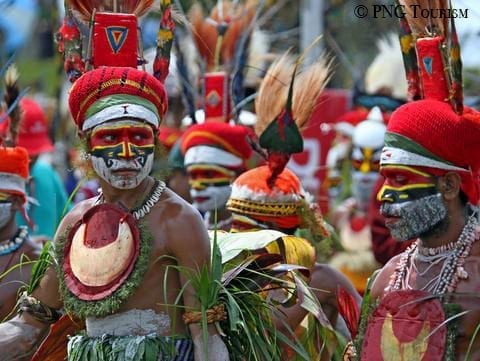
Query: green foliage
{"points": [[121, 348]]}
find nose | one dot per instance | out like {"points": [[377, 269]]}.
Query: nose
{"points": [[197, 184], [385, 195], [127, 151], [365, 167]]}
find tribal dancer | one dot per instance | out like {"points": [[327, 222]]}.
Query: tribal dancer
{"points": [[112, 252], [16, 246], [423, 303], [215, 154], [271, 198]]}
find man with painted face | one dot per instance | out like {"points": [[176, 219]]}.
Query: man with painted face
{"points": [[351, 217], [431, 166], [15, 243], [116, 252], [215, 154]]}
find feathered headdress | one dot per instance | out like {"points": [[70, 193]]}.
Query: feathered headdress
{"points": [[434, 70], [113, 39], [222, 40], [286, 100]]}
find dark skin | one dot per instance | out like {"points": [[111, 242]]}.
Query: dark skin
{"points": [[176, 228], [17, 277], [467, 290]]}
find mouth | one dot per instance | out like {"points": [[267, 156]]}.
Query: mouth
{"points": [[125, 172], [391, 220], [200, 199]]}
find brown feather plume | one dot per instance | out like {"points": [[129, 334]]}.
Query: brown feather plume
{"points": [[272, 93], [308, 87], [236, 17], [11, 94], [424, 25], [83, 8]]}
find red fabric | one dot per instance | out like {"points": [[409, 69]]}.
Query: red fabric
{"points": [[105, 81], [432, 69], [454, 138], [384, 247], [285, 222], [33, 130], [168, 136], [231, 138], [114, 40], [217, 97], [14, 161]]}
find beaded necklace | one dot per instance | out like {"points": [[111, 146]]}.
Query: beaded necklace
{"points": [[148, 203], [452, 256], [11, 245]]}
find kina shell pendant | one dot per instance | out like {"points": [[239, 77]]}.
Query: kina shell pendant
{"points": [[100, 252]]}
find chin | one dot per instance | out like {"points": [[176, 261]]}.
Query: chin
{"points": [[122, 183]]}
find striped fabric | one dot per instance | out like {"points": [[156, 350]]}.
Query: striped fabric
{"points": [[183, 350]]}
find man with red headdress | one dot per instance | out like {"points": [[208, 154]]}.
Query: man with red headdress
{"points": [[214, 155], [15, 243], [118, 256], [423, 303], [45, 186]]}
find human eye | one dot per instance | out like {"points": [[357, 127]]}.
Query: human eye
{"points": [[108, 137]]}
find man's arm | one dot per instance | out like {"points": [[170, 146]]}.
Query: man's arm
{"points": [[20, 336], [190, 245]]}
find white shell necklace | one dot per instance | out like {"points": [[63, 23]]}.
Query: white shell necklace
{"points": [[147, 205]]}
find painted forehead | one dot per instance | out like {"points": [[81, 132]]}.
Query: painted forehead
{"points": [[410, 171], [123, 123]]}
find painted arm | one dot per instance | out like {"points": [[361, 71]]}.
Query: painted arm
{"points": [[190, 245]]}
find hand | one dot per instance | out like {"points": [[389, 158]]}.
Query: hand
{"points": [[217, 351]]}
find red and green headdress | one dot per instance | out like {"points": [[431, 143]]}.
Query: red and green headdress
{"points": [[437, 132], [108, 93]]}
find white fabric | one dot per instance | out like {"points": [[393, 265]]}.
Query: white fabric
{"points": [[246, 193], [11, 182], [144, 322], [391, 155], [211, 155], [119, 111]]}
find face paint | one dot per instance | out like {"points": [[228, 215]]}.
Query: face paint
{"points": [[210, 198], [210, 186], [410, 202], [5, 213], [122, 152], [365, 163], [409, 220]]}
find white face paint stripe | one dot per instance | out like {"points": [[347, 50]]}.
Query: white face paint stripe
{"points": [[134, 111], [391, 155], [118, 181]]}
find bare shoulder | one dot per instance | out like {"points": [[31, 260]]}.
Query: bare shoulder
{"points": [[383, 277], [183, 223]]}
